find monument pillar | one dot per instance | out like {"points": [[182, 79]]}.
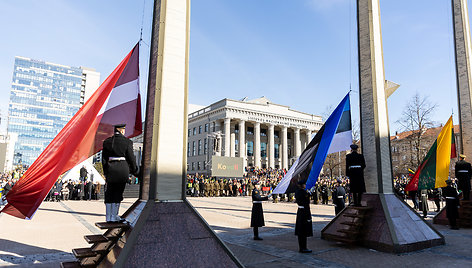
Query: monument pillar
{"points": [[463, 46], [384, 222], [257, 144], [153, 239]]}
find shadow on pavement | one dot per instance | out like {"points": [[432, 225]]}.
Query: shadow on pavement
{"points": [[18, 253], [72, 212]]}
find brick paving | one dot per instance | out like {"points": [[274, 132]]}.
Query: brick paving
{"points": [[57, 228]]}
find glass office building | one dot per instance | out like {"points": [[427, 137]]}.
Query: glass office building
{"points": [[44, 97]]}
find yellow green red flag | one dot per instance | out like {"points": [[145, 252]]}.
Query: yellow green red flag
{"points": [[434, 170]]}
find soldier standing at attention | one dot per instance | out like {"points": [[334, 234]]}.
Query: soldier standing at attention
{"points": [[303, 224], [118, 162], [355, 165], [339, 197], [463, 173], [452, 204], [257, 215]]}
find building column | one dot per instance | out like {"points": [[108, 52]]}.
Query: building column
{"points": [[218, 142], [257, 144], [308, 138], [227, 133], [271, 146], [284, 148], [242, 141], [233, 144], [297, 144]]}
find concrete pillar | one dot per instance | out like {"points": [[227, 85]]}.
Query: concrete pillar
{"points": [[271, 146], [308, 138], [375, 135], [284, 148], [227, 135], [463, 53], [233, 144], [242, 141], [218, 143], [296, 142], [257, 144]]}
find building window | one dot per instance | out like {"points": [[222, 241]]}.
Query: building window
{"points": [[289, 135], [236, 148], [206, 127], [276, 134], [264, 132], [276, 150], [189, 132], [213, 126], [194, 131], [250, 131], [250, 148], [199, 147], [263, 149], [199, 129], [188, 149], [236, 129], [193, 149], [193, 166], [205, 146], [198, 165]]}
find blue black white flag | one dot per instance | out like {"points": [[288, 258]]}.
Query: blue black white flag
{"points": [[308, 166]]}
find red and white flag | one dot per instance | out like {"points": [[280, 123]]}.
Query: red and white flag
{"points": [[116, 101]]}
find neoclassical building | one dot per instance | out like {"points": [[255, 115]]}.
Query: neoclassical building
{"points": [[263, 133]]}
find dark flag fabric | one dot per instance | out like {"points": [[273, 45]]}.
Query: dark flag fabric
{"points": [[116, 101], [308, 166]]}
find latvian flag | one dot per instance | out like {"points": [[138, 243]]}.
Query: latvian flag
{"points": [[434, 170], [336, 133], [116, 101]]}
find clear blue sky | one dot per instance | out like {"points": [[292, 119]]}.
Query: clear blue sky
{"points": [[300, 53]]}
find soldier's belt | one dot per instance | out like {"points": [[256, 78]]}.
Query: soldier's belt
{"points": [[354, 166], [340, 196], [257, 202], [111, 159], [423, 194], [463, 171], [301, 207], [450, 197]]}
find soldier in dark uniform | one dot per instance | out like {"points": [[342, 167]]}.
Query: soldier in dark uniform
{"points": [[424, 202], [339, 197], [452, 204], [463, 173], [355, 165], [257, 215], [118, 162], [436, 199], [303, 224]]}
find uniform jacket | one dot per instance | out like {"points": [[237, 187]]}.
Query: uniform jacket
{"points": [[339, 197], [452, 202], [463, 173], [303, 224], [355, 165], [118, 171], [257, 215]]}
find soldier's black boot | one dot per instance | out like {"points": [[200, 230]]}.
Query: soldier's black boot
{"points": [[256, 233], [302, 245]]}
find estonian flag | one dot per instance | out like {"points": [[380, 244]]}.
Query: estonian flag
{"points": [[307, 168]]}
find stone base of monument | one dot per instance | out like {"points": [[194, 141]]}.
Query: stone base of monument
{"points": [[169, 234], [465, 215], [389, 225]]}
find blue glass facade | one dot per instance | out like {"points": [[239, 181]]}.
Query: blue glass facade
{"points": [[44, 97]]}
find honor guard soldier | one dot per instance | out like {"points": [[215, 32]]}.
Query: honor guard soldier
{"points": [[339, 197], [355, 165], [463, 173], [257, 215], [118, 162], [452, 204], [303, 224]]}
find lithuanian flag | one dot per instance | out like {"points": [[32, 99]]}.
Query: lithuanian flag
{"points": [[434, 170]]}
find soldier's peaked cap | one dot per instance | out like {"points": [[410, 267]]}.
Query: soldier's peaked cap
{"points": [[462, 155], [119, 126], [354, 146]]}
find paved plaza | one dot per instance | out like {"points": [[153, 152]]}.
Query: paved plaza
{"points": [[58, 227]]}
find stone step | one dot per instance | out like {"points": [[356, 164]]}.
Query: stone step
{"points": [[349, 232], [71, 264], [81, 253], [112, 225], [338, 238], [353, 215], [92, 239], [350, 223]]}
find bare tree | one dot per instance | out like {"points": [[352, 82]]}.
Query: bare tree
{"points": [[417, 118]]}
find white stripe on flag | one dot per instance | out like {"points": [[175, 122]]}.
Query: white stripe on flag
{"points": [[341, 142], [121, 94], [285, 182]]}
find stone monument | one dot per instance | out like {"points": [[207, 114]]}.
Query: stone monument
{"points": [[385, 222]]}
